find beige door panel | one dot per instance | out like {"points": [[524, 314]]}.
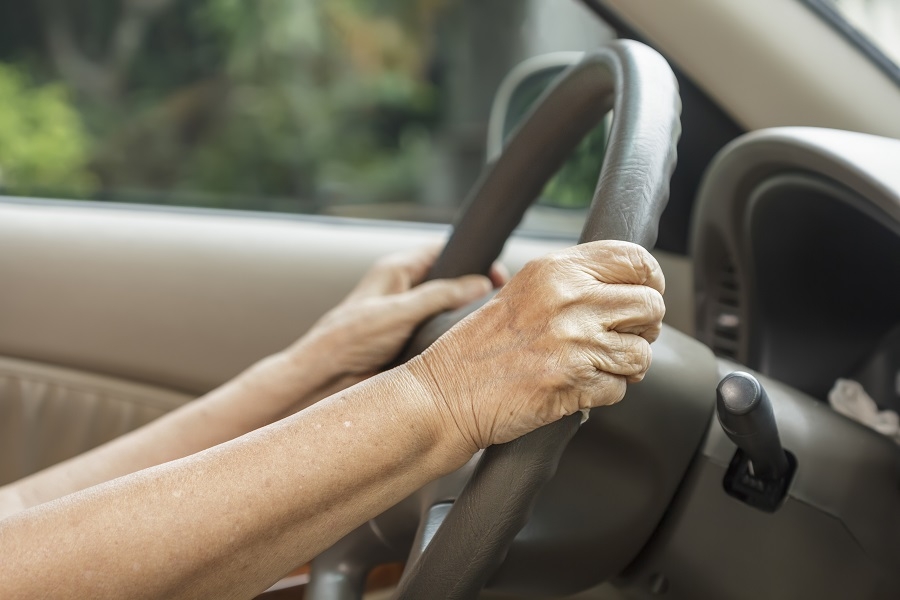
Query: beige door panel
{"points": [[186, 299], [177, 299]]}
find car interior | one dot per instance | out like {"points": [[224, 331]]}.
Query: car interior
{"points": [[753, 146]]}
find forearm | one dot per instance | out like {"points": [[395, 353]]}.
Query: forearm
{"points": [[255, 398], [347, 345], [231, 520]]}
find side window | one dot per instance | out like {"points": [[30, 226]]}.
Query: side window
{"points": [[339, 107]]}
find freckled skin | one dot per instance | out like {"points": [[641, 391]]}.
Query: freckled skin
{"points": [[566, 334], [228, 521]]}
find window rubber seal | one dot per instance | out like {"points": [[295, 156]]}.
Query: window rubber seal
{"points": [[833, 18]]}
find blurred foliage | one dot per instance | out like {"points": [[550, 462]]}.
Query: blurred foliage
{"points": [[325, 100], [297, 106], [272, 104], [43, 144], [573, 186]]}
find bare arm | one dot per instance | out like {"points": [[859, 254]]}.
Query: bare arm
{"points": [[564, 335], [221, 415], [346, 346], [229, 521]]}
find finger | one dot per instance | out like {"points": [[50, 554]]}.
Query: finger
{"points": [[499, 274], [636, 378], [436, 296], [606, 389], [398, 272], [622, 354], [612, 261], [637, 309], [417, 263]]}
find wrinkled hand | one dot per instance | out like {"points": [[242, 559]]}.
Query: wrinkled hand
{"points": [[565, 334], [371, 326]]}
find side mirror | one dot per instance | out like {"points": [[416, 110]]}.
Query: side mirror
{"points": [[573, 187]]}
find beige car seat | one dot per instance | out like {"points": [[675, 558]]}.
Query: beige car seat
{"points": [[49, 414]]}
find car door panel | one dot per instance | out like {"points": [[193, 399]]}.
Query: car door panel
{"points": [[96, 299], [180, 299]]}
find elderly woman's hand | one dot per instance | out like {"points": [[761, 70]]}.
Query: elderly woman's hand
{"points": [[350, 343], [372, 324], [565, 334]]}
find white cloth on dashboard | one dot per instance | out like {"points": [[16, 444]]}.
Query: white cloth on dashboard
{"points": [[850, 399]]}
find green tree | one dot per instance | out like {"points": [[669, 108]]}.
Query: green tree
{"points": [[44, 148], [326, 100], [276, 104]]}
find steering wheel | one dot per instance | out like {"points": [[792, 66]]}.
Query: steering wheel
{"points": [[474, 535]]}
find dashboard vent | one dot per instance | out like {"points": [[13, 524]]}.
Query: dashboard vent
{"points": [[727, 313]]}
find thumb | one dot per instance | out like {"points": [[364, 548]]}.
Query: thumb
{"points": [[436, 296]]}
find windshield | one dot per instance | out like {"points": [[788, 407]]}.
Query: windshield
{"points": [[877, 20]]}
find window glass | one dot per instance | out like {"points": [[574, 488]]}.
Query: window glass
{"points": [[372, 108], [563, 204]]}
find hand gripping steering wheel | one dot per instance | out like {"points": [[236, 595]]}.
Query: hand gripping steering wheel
{"points": [[638, 85]]}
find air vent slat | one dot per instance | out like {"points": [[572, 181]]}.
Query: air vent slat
{"points": [[726, 319], [729, 298], [730, 335]]}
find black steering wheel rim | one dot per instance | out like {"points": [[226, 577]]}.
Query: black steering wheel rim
{"points": [[638, 85], [476, 533]]}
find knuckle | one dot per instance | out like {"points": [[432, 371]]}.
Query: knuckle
{"points": [[642, 256], [605, 246], [616, 353], [652, 333], [433, 290], [624, 262], [645, 354], [653, 304], [624, 352], [530, 272], [614, 389], [632, 353], [562, 293], [635, 262], [390, 305], [636, 378], [560, 380], [601, 388], [658, 306], [661, 276], [641, 261], [555, 262], [385, 263], [568, 331]]}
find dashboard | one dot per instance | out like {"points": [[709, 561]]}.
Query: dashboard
{"points": [[797, 253]]}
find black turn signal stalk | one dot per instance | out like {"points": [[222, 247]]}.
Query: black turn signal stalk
{"points": [[761, 470]]}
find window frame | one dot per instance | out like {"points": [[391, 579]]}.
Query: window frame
{"points": [[833, 18]]}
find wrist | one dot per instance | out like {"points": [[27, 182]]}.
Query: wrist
{"points": [[317, 356], [269, 390], [445, 419], [11, 501]]}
